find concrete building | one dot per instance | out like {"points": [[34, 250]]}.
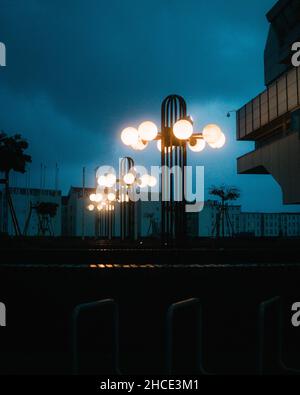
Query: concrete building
{"points": [[272, 119], [248, 223], [77, 220], [25, 201]]}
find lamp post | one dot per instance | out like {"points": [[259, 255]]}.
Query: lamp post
{"points": [[112, 190], [177, 133]]}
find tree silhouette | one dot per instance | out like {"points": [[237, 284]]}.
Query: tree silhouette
{"points": [[225, 194], [12, 157]]}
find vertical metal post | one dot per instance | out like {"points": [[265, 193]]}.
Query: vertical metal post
{"points": [[83, 205], [173, 152], [127, 208]]}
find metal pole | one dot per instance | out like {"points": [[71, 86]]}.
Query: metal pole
{"points": [[83, 205]]}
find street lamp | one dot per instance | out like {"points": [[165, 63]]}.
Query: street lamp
{"points": [[176, 134], [111, 191]]}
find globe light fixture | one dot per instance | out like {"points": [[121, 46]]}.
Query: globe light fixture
{"points": [[148, 131], [111, 197], [212, 133], [130, 136], [143, 181], [93, 197], [140, 145], [183, 129], [196, 145], [220, 143], [152, 181], [129, 178], [110, 180], [102, 181], [98, 197], [91, 207]]}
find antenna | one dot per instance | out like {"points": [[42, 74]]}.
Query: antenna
{"points": [[56, 176], [44, 180]]}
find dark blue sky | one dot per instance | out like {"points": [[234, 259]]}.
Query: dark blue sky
{"points": [[78, 71]]}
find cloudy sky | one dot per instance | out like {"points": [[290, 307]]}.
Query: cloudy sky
{"points": [[79, 71]]}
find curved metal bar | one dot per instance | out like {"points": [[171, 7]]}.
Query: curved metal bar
{"points": [[278, 349], [169, 333], [96, 307]]}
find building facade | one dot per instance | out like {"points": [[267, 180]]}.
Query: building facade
{"points": [[77, 220], [272, 119]]}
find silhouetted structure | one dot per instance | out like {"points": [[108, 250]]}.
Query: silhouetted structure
{"points": [[45, 212], [272, 119], [12, 157], [127, 206], [226, 194]]}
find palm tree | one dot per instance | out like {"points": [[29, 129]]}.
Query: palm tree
{"points": [[12, 157], [226, 194]]}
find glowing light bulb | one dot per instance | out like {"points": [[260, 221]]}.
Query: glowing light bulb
{"points": [[98, 197], [91, 207], [110, 180], [183, 129], [144, 181], [129, 178], [152, 181], [197, 145], [93, 197], [130, 136], [111, 197], [212, 133], [140, 145], [102, 181], [220, 143], [148, 131]]}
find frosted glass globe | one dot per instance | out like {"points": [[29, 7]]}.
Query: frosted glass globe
{"points": [[110, 180], [130, 136], [212, 133], [98, 198], [111, 197], [148, 131], [92, 197], [129, 178], [183, 129], [220, 143], [198, 146], [152, 181], [140, 145], [102, 181], [144, 181]]}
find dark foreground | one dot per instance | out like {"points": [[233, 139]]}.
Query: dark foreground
{"points": [[41, 287]]}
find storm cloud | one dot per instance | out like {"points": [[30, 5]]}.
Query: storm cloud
{"points": [[79, 71]]}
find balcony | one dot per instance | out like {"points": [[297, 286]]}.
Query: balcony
{"points": [[271, 109]]}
